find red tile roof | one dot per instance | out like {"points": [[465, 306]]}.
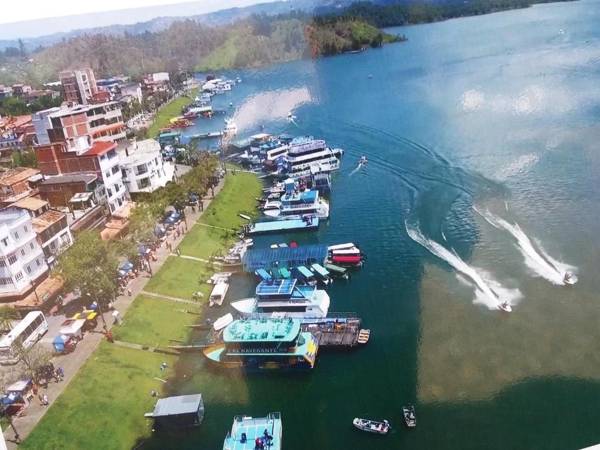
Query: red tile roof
{"points": [[100, 148]]}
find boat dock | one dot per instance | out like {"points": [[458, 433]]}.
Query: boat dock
{"points": [[340, 331], [276, 226]]}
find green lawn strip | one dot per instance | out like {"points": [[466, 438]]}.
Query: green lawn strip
{"points": [[203, 242], [180, 277], [170, 110], [155, 322], [238, 195], [104, 405]]}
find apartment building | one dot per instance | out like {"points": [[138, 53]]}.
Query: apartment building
{"points": [[143, 167], [79, 86], [22, 261], [50, 226]]}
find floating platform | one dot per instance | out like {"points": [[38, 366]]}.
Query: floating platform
{"points": [[335, 332], [282, 225]]}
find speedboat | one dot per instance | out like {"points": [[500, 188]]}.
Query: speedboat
{"points": [[410, 418], [570, 278], [363, 161], [372, 426], [505, 306]]}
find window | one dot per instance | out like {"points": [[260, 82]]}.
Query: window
{"points": [[31, 245], [37, 262], [22, 252], [107, 174], [5, 242], [2, 262], [16, 235], [12, 259], [25, 229], [19, 276], [5, 281], [28, 269]]}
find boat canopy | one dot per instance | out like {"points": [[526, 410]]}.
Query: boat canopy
{"points": [[305, 272], [262, 273], [267, 258], [322, 271], [275, 288], [284, 273]]}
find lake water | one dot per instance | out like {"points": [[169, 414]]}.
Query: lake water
{"points": [[482, 186]]}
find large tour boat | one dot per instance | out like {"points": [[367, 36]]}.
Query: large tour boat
{"points": [[285, 298], [297, 203], [264, 344], [307, 156]]}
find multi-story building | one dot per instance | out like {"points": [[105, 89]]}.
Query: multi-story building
{"points": [[50, 226], [130, 92], [101, 122], [143, 167], [83, 156], [79, 86], [22, 261]]}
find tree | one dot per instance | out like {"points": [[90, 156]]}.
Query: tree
{"points": [[24, 158], [13, 106], [7, 316], [22, 50], [34, 358], [90, 265]]}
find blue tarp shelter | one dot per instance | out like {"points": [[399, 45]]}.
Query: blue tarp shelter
{"points": [[268, 258]]}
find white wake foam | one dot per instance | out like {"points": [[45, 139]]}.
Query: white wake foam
{"points": [[536, 259], [488, 291]]}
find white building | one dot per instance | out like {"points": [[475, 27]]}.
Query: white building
{"points": [[22, 262], [143, 167], [50, 226], [130, 92]]}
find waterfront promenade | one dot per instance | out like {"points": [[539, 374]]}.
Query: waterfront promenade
{"points": [[73, 362]]}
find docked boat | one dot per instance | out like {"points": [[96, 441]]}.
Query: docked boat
{"points": [[410, 418], [264, 344], [304, 223], [252, 433], [372, 426], [308, 156], [230, 128], [345, 255], [217, 296], [363, 336], [295, 203], [284, 298]]}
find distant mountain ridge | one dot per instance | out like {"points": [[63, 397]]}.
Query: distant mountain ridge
{"points": [[160, 23]]}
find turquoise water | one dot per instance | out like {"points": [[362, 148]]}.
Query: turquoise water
{"points": [[498, 112]]}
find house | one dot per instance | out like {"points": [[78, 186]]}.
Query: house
{"points": [[60, 190], [83, 156], [50, 226], [130, 92], [22, 262], [18, 183], [143, 167]]}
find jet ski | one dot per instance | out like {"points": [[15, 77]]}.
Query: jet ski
{"points": [[505, 306], [570, 278], [363, 161]]}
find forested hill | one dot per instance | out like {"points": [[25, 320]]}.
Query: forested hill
{"points": [[387, 13], [189, 45]]}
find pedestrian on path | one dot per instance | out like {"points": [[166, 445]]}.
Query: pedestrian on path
{"points": [[169, 247], [178, 251]]}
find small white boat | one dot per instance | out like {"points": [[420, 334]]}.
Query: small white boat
{"points": [[217, 296], [505, 306], [410, 418], [372, 426], [363, 161], [222, 322], [363, 336], [244, 216]]}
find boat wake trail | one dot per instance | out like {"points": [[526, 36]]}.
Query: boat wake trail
{"points": [[487, 290], [537, 260]]}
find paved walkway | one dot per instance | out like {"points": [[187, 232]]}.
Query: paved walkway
{"points": [[172, 299], [73, 362]]}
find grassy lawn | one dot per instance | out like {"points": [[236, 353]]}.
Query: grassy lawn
{"points": [[238, 195], [203, 242], [180, 277], [154, 322], [104, 406], [170, 110]]}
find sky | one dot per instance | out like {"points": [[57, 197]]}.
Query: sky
{"points": [[22, 18]]}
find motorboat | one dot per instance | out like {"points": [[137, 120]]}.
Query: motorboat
{"points": [[570, 278], [505, 306], [363, 161], [372, 426], [410, 418]]}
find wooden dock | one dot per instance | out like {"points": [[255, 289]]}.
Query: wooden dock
{"points": [[335, 332]]}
